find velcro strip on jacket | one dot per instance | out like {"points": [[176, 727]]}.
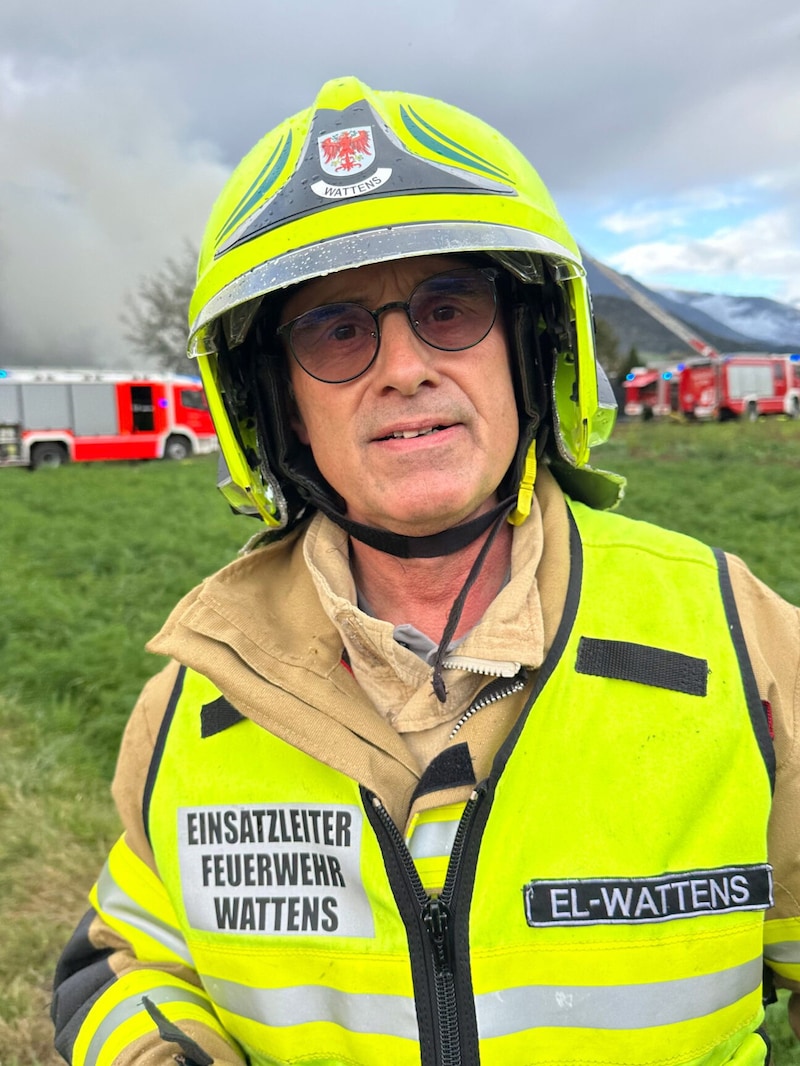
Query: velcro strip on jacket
{"points": [[451, 768], [218, 716], [624, 661]]}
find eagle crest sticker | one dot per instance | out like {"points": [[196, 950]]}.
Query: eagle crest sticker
{"points": [[345, 154]]}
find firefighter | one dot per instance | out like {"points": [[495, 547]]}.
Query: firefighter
{"points": [[453, 764]]}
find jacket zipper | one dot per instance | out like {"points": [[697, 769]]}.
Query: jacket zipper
{"points": [[494, 691], [435, 916], [435, 913]]}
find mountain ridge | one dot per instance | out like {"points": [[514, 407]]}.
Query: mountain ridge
{"points": [[728, 323]]}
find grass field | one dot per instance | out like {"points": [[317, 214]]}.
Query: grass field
{"points": [[94, 558]]}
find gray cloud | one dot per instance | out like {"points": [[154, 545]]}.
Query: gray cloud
{"points": [[117, 129]]}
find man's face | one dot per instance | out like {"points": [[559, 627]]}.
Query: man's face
{"points": [[410, 484]]}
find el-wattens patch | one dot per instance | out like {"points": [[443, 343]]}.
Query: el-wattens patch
{"points": [[626, 901]]}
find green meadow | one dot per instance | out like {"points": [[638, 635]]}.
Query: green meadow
{"points": [[94, 557]]}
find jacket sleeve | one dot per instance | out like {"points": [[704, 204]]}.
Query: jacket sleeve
{"points": [[128, 948], [771, 629]]}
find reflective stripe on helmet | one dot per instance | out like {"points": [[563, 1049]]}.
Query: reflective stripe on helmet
{"points": [[371, 246]]}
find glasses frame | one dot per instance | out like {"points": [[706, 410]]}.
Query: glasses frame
{"points": [[285, 331]]}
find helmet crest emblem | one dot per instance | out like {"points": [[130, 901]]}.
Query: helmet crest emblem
{"points": [[347, 152]]}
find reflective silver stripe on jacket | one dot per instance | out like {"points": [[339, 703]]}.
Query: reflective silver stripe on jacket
{"points": [[384, 1015], [129, 1008], [614, 1007], [116, 903], [433, 839], [783, 951]]}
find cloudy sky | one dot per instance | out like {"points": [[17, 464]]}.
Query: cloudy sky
{"points": [[668, 133]]}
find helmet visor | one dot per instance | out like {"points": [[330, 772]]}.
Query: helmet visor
{"points": [[235, 306]]}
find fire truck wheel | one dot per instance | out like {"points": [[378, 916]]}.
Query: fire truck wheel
{"points": [[177, 448], [47, 454]]}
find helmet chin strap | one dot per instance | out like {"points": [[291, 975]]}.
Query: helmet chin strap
{"points": [[434, 546]]}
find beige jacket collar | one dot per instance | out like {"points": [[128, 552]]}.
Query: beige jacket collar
{"points": [[394, 678]]}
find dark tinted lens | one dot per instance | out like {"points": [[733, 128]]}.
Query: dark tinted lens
{"points": [[454, 311], [334, 342]]}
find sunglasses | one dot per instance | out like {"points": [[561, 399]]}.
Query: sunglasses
{"points": [[339, 342]]}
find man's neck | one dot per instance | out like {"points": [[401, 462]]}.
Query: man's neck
{"points": [[422, 591]]}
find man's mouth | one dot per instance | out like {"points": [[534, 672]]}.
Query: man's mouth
{"points": [[407, 434], [410, 434]]}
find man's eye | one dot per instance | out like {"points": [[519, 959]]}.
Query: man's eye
{"points": [[343, 332]]}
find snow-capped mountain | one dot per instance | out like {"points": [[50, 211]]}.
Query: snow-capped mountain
{"points": [[729, 323], [752, 316]]}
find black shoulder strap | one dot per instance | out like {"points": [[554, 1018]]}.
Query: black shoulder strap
{"points": [[758, 714], [158, 750]]}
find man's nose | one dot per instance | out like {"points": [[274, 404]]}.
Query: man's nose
{"points": [[404, 360]]}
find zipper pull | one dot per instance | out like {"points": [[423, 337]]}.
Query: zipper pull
{"points": [[436, 917]]}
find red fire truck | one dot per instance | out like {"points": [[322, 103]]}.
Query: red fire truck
{"points": [[741, 385], [651, 392], [50, 417], [713, 385]]}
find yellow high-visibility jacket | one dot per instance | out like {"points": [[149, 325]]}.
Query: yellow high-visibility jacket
{"points": [[606, 888]]}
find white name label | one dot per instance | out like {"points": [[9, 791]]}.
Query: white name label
{"points": [[358, 188], [277, 870]]}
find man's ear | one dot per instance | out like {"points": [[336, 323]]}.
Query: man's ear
{"points": [[299, 427], [295, 418]]}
